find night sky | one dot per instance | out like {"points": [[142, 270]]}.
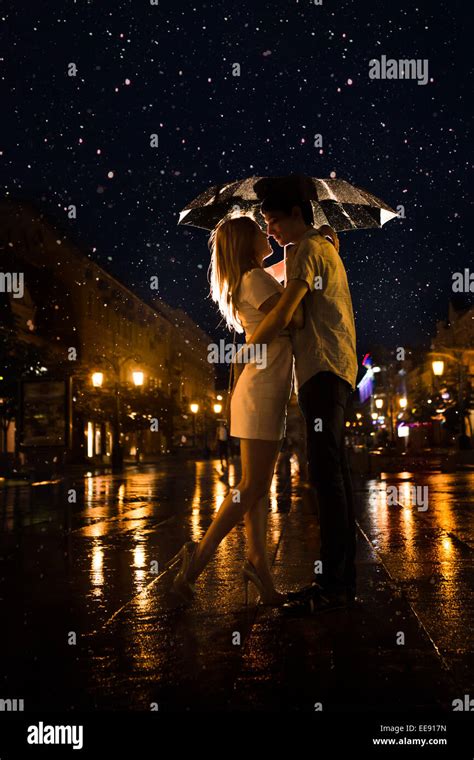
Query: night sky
{"points": [[167, 69]]}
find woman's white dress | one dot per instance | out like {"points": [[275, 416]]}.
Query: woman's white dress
{"points": [[259, 401]]}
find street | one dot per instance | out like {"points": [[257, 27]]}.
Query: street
{"points": [[89, 623]]}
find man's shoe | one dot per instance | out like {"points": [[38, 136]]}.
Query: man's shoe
{"points": [[306, 592], [320, 601]]}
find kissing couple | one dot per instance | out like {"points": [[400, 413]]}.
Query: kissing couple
{"points": [[310, 321]]}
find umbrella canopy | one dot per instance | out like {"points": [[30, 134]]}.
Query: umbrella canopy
{"points": [[335, 202]]}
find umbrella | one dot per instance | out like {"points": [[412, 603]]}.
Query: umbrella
{"points": [[335, 202]]}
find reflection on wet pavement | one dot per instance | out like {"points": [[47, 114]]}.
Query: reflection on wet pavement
{"points": [[91, 622]]}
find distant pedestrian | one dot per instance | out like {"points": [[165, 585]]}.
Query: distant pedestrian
{"points": [[222, 436]]}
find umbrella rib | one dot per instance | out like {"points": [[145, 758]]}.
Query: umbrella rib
{"points": [[329, 191]]}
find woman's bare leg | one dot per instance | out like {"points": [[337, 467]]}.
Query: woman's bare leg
{"points": [[256, 522], [258, 462]]}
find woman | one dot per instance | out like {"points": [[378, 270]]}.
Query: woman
{"points": [[245, 292]]}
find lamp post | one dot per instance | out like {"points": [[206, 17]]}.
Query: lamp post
{"points": [[97, 380], [391, 411], [402, 403], [194, 409], [138, 378], [437, 365]]}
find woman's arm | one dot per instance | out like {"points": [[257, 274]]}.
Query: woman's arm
{"points": [[297, 320], [277, 270], [278, 318]]}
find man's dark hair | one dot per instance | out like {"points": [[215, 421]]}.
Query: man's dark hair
{"points": [[279, 200], [282, 193]]}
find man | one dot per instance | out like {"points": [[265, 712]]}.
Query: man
{"points": [[326, 370]]}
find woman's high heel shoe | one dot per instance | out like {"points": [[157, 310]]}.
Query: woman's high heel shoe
{"points": [[181, 584], [272, 598]]}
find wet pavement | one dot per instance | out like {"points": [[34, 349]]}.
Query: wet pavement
{"points": [[88, 622]]}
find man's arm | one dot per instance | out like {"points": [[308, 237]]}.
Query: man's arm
{"points": [[292, 315], [297, 320], [280, 316], [308, 261]]}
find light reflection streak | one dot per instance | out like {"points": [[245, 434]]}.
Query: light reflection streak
{"points": [[197, 499], [97, 573]]}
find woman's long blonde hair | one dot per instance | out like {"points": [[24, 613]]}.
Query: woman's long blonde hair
{"points": [[232, 245]]}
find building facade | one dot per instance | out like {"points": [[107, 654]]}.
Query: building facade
{"points": [[130, 365]]}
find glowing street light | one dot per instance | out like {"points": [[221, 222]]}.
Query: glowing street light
{"points": [[217, 408], [403, 402], [438, 367], [379, 403], [97, 379], [195, 409]]}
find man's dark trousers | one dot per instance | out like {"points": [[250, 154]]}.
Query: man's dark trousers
{"points": [[323, 399]]}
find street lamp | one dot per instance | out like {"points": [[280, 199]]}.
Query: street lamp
{"points": [[379, 403], [97, 379], [403, 402], [195, 409], [217, 408], [138, 378], [456, 355], [117, 457]]}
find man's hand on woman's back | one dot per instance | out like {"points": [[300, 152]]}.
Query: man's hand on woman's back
{"points": [[328, 232]]}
